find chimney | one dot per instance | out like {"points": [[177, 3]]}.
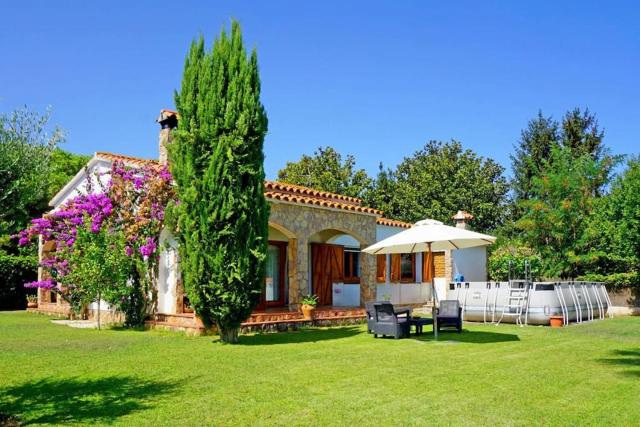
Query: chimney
{"points": [[462, 219], [168, 120]]}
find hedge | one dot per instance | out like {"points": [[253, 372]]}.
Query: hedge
{"points": [[615, 280], [15, 271]]}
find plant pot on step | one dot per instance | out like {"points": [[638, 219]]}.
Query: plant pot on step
{"points": [[32, 305], [309, 306], [308, 311], [556, 321]]}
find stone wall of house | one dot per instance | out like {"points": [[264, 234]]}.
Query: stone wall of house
{"points": [[299, 223]]}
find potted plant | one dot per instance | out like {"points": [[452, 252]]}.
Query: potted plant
{"points": [[309, 306], [32, 301], [556, 321]]}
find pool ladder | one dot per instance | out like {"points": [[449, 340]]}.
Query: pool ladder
{"points": [[517, 302]]}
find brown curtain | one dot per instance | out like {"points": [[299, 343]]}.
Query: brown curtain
{"points": [[381, 268], [427, 267], [395, 267], [327, 267]]}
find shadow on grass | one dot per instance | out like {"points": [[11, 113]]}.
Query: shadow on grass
{"points": [[474, 337], [76, 400], [301, 336], [625, 358]]}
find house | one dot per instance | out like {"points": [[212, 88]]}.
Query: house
{"points": [[315, 239]]}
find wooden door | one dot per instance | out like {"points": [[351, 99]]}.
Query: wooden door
{"points": [[327, 267]]}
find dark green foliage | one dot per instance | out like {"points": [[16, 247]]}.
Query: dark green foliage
{"points": [[533, 149], [555, 218], [440, 179], [15, 271], [578, 132], [217, 162], [611, 242], [326, 171]]}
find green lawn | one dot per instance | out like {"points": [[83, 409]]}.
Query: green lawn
{"points": [[489, 375]]}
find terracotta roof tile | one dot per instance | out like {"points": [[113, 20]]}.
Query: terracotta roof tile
{"points": [[393, 223], [128, 160], [306, 191], [319, 201]]}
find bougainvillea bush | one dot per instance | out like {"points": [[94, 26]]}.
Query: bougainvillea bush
{"points": [[105, 242]]}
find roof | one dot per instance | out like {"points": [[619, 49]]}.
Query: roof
{"points": [[393, 223], [274, 190], [282, 191], [127, 160]]}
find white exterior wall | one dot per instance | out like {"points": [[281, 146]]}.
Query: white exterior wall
{"points": [[401, 293], [96, 169], [471, 263], [168, 274]]}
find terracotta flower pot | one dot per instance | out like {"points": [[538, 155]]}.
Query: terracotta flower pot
{"points": [[32, 305], [308, 311], [556, 321]]}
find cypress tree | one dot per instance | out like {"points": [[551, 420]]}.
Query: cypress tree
{"points": [[217, 162]]}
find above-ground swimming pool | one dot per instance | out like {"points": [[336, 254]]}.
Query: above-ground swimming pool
{"points": [[525, 302]]}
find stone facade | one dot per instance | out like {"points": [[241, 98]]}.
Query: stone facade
{"points": [[304, 225]]}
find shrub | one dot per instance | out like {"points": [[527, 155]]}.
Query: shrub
{"points": [[15, 270], [615, 280], [498, 264]]}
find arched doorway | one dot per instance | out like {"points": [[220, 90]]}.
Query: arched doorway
{"points": [[335, 267]]}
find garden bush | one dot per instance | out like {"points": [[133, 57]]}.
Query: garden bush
{"points": [[15, 271], [499, 259], [615, 280]]}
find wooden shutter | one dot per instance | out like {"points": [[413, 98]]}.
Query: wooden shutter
{"points": [[327, 267], [427, 267], [395, 268], [381, 268]]}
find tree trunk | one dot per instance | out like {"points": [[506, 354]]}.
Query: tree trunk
{"points": [[98, 310], [229, 335]]}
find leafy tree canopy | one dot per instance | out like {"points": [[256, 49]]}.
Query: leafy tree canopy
{"points": [[555, 217], [326, 170], [439, 180], [578, 131]]}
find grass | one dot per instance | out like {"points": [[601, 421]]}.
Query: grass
{"points": [[489, 375]]}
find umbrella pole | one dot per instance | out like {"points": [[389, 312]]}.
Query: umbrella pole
{"points": [[434, 315]]}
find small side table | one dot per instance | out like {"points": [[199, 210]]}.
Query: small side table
{"points": [[419, 322]]}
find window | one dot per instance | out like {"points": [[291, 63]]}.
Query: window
{"points": [[381, 268], [403, 268], [407, 267], [351, 266]]}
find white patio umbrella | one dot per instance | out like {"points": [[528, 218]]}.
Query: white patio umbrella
{"points": [[429, 236]]}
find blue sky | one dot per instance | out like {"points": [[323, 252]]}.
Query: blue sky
{"points": [[373, 79]]}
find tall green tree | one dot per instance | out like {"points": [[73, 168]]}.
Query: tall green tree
{"points": [[442, 178], [326, 170], [578, 131], [611, 242], [556, 216], [217, 162], [26, 146], [531, 152]]}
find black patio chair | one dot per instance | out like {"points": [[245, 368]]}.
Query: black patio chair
{"points": [[371, 315], [449, 314], [388, 321]]}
